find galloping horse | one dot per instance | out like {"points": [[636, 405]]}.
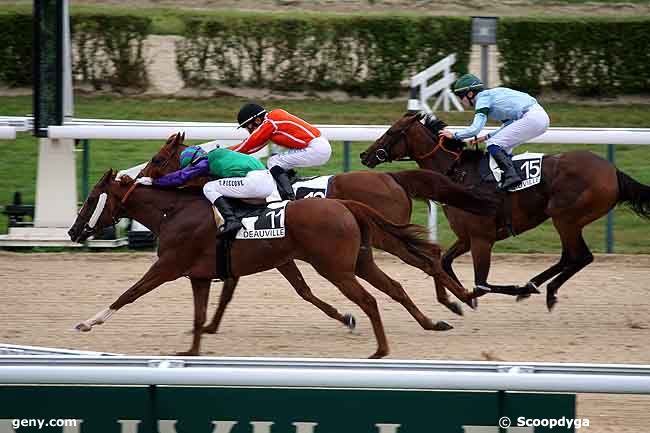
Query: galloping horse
{"points": [[332, 235], [388, 193], [576, 188]]}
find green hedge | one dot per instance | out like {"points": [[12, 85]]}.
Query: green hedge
{"points": [[584, 57], [107, 50], [361, 55], [16, 49]]}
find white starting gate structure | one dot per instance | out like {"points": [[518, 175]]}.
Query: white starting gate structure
{"points": [[421, 90]]}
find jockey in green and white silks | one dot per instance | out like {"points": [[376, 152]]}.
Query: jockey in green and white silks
{"points": [[521, 115], [235, 175]]}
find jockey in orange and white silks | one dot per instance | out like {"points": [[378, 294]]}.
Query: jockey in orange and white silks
{"points": [[307, 146]]}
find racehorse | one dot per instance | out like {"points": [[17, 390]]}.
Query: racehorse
{"points": [[388, 193], [576, 188], [332, 235]]}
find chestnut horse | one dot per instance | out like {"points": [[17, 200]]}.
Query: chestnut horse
{"points": [[387, 193], [332, 235], [577, 188]]}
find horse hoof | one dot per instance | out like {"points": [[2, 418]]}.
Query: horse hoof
{"points": [[188, 353], [480, 291], [82, 327], [472, 302], [349, 321], [208, 330], [522, 297], [378, 354], [456, 308], [550, 303], [441, 325], [530, 288]]}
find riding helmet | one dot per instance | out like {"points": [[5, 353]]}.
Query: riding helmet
{"points": [[466, 83], [192, 155], [249, 112]]}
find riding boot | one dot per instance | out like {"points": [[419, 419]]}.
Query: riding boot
{"points": [[231, 223], [284, 185], [510, 176]]}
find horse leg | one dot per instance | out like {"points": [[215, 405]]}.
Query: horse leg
{"points": [[367, 269], [226, 296], [459, 248], [541, 278], [159, 273], [481, 256], [292, 274], [578, 255], [200, 292], [354, 291]]}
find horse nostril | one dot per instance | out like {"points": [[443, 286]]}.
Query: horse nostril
{"points": [[362, 155]]}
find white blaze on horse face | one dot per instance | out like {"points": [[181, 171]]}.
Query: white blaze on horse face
{"points": [[101, 202]]}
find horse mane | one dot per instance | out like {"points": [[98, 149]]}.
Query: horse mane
{"points": [[435, 125]]}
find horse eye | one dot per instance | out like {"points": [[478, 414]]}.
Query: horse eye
{"points": [[155, 160]]}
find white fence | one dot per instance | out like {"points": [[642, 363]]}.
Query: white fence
{"points": [[329, 373], [228, 131]]}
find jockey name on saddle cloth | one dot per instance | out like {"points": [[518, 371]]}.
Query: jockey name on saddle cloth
{"points": [[269, 223], [529, 167]]}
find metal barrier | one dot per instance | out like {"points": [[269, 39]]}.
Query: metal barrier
{"points": [[334, 373]]}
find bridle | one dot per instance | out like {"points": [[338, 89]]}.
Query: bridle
{"points": [[383, 154], [88, 230]]}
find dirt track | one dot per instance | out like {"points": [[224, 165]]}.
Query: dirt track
{"points": [[603, 316]]}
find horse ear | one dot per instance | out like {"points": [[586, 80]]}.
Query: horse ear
{"points": [[183, 137], [107, 176]]}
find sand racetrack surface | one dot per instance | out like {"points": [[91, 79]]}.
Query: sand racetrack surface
{"points": [[603, 316]]}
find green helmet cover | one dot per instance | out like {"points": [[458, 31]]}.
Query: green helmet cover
{"points": [[466, 83], [191, 155]]}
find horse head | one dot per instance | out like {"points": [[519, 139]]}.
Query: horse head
{"points": [[99, 211], [168, 157], [413, 137]]}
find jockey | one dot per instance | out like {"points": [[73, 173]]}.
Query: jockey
{"points": [[237, 175], [522, 117], [308, 147]]}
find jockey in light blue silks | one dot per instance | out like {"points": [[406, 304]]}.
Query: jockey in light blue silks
{"points": [[522, 117]]}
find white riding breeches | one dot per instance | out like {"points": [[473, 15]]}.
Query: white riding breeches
{"points": [[533, 123], [256, 184], [317, 152]]}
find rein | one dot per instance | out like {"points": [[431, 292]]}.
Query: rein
{"points": [[162, 166], [383, 154], [128, 193]]}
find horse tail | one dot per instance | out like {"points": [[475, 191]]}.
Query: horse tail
{"points": [[410, 242], [633, 193], [430, 185]]}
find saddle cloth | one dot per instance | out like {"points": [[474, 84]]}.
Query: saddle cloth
{"points": [[260, 221], [528, 165], [308, 187]]}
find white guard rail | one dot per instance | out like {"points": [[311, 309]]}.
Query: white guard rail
{"points": [[331, 373], [7, 133], [228, 131]]}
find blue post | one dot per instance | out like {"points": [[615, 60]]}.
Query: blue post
{"points": [[609, 240], [346, 156]]}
